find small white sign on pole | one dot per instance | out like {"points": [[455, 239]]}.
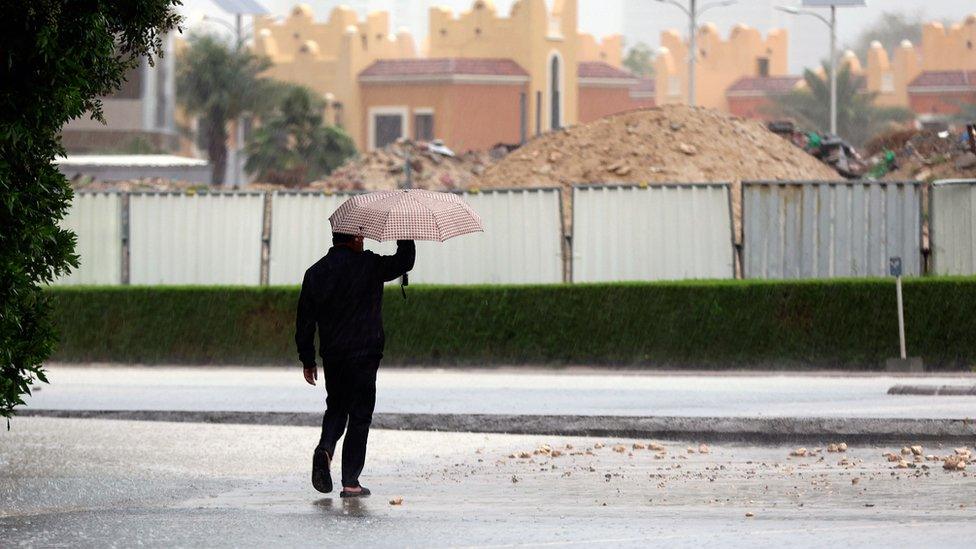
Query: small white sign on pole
{"points": [[894, 267]]}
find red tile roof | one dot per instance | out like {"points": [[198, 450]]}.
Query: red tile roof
{"points": [[599, 69], [763, 85], [944, 79], [442, 67]]}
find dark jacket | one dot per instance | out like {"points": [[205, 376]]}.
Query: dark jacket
{"points": [[343, 295]]}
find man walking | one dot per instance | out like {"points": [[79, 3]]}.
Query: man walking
{"points": [[342, 294]]}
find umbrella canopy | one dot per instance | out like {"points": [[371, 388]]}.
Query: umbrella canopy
{"points": [[408, 214]]}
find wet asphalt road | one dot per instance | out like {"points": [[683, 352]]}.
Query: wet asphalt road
{"points": [[505, 391], [99, 483]]}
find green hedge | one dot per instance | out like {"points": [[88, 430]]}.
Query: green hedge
{"points": [[835, 323]]}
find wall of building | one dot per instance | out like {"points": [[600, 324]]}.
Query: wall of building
{"points": [[466, 116], [889, 78], [609, 50], [598, 101], [144, 109], [532, 35], [719, 63], [328, 56], [749, 107], [940, 103], [941, 49]]}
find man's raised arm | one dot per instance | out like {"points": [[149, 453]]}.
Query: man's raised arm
{"points": [[393, 266]]}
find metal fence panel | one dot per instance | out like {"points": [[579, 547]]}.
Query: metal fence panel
{"points": [[300, 233], [830, 229], [660, 232], [521, 242], [212, 238], [96, 219], [953, 227]]}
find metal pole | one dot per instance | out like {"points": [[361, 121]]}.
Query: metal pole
{"points": [[901, 318], [238, 180], [833, 70], [408, 174], [692, 50]]}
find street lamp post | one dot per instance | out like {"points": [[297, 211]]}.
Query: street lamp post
{"points": [[692, 11], [832, 25], [833, 69]]}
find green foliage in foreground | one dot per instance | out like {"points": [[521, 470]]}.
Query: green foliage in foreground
{"points": [[839, 323], [56, 59]]}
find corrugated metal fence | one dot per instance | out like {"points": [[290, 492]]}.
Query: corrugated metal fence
{"points": [[660, 232], [521, 242], [828, 229], [96, 219], [228, 238], [212, 238], [953, 227]]}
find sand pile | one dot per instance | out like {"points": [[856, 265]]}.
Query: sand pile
{"points": [[673, 143], [383, 169]]}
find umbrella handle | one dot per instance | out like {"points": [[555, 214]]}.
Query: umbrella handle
{"points": [[404, 282]]}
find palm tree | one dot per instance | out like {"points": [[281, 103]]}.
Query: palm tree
{"points": [[293, 145], [858, 118], [218, 83]]}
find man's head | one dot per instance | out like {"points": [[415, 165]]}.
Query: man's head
{"points": [[343, 240]]}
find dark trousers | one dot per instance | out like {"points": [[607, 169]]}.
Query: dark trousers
{"points": [[351, 388]]}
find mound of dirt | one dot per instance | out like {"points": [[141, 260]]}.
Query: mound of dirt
{"points": [[384, 169], [668, 144]]}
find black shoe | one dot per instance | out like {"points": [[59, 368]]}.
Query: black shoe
{"points": [[363, 492], [321, 476]]}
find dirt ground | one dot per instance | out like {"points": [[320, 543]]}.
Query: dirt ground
{"points": [[667, 144]]}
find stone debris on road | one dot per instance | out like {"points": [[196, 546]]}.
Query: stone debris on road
{"points": [[908, 457], [218, 470]]}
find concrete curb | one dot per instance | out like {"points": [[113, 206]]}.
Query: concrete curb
{"points": [[735, 429], [942, 390]]}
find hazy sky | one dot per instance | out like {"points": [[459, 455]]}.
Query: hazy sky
{"points": [[643, 20]]}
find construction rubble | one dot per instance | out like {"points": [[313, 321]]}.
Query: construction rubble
{"points": [[432, 166], [926, 155]]}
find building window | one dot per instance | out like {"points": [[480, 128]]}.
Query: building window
{"points": [[555, 27], [423, 125], [555, 106], [762, 66], [387, 124], [674, 86], [887, 82]]}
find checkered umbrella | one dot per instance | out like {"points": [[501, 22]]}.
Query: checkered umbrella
{"points": [[408, 214]]}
